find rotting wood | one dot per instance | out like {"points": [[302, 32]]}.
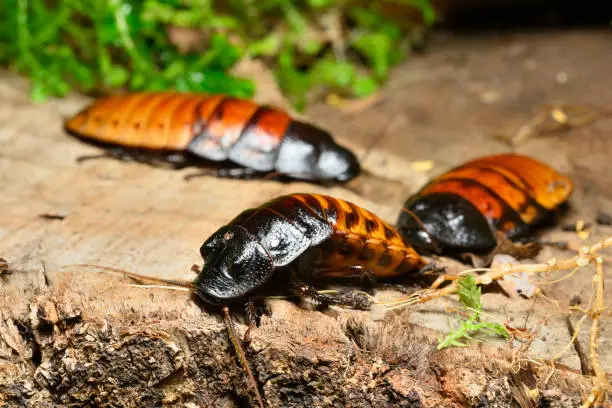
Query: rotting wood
{"points": [[71, 350]]}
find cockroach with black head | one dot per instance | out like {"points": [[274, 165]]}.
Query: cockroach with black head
{"points": [[180, 129], [301, 239], [468, 208]]}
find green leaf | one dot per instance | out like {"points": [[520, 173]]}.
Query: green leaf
{"points": [[224, 22], [469, 293], [221, 54], [497, 328], [365, 18], [292, 82], [116, 76], [319, 4], [364, 86], [333, 72], [138, 81], [175, 69], [311, 46], [429, 13], [295, 19], [376, 47], [218, 82], [268, 45]]}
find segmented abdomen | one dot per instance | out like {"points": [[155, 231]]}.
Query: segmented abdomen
{"points": [[352, 239], [507, 189], [208, 126]]}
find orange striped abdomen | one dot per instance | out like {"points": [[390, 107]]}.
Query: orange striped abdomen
{"points": [[544, 184], [360, 242], [155, 121], [207, 125]]}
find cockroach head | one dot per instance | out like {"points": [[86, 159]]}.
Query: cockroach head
{"points": [[337, 163], [235, 264], [413, 233], [310, 153]]}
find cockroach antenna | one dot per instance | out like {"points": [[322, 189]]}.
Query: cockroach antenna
{"points": [[138, 277], [241, 354]]}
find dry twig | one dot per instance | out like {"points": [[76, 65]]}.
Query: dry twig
{"points": [[601, 387], [585, 256]]}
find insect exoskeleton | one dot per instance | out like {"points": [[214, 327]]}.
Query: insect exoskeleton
{"points": [[461, 210], [178, 127], [309, 236]]}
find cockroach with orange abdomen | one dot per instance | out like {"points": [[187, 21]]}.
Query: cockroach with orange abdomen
{"points": [[472, 206], [292, 242], [181, 129]]}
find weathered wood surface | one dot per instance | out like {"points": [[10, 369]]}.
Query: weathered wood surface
{"points": [[74, 337]]}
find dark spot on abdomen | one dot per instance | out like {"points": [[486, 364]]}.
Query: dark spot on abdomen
{"points": [[385, 259], [389, 233], [351, 219], [370, 226]]}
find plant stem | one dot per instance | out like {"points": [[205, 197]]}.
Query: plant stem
{"points": [[23, 37], [124, 33]]}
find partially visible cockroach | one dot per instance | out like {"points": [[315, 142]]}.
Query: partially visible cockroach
{"points": [[181, 129], [296, 239], [464, 209]]}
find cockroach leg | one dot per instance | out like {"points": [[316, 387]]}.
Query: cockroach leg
{"points": [[113, 153], [433, 268], [252, 320], [355, 299], [240, 173], [175, 160], [368, 281], [304, 290]]}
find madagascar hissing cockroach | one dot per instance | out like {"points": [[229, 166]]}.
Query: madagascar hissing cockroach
{"points": [[176, 128], [309, 236], [465, 208], [295, 241]]}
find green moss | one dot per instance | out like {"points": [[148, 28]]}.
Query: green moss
{"points": [[100, 45]]}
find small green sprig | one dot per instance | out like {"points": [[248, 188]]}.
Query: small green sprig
{"points": [[469, 296]]}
